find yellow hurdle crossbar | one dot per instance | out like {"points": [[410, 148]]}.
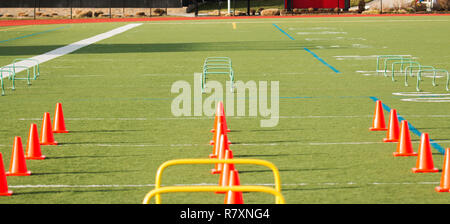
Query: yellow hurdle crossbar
{"points": [[156, 192], [172, 189]]}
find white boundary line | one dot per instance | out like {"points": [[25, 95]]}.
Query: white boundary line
{"points": [[288, 21], [230, 117], [206, 184], [72, 47]]}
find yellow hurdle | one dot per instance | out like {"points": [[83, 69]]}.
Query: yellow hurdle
{"points": [[158, 190], [279, 197]]}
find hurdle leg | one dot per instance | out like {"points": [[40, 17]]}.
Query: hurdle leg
{"points": [[3, 88], [418, 80], [446, 87]]}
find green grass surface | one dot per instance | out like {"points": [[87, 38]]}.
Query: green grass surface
{"points": [[117, 104]]}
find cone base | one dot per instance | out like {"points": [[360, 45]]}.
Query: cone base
{"points": [[404, 154], [390, 140], [35, 157], [60, 131], [432, 170], [212, 156], [214, 171], [378, 129], [7, 193], [441, 189], [28, 173], [48, 143], [220, 192], [213, 130]]}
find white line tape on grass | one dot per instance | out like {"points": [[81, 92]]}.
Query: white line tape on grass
{"points": [[72, 47], [231, 117], [209, 184], [290, 21], [428, 100], [420, 94]]}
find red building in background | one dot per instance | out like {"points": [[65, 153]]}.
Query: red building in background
{"points": [[316, 4]]}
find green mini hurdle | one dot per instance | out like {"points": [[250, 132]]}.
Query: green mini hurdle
{"points": [[411, 68], [380, 57], [401, 61], [36, 72], [14, 77], [217, 65], [402, 64], [1, 79], [419, 74]]}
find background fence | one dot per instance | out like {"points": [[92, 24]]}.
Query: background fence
{"points": [[93, 3]]}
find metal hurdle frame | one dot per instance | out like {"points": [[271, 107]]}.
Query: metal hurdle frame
{"points": [[217, 65], [394, 59], [13, 76], [419, 74], [279, 199], [386, 57], [36, 71], [410, 68], [402, 63], [1, 79]]}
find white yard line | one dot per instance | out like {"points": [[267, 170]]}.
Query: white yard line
{"points": [[230, 117], [144, 145], [428, 100], [292, 21], [210, 184], [71, 47]]}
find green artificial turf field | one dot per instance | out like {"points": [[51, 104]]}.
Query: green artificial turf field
{"points": [[117, 98]]}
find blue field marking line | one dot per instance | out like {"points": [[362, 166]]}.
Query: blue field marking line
{"points": [[412, 128], [309, 51], [275, 25], [33, 34], [321, 60]]}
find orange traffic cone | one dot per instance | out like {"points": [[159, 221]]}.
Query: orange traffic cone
{"points": [[378, 123], [233, 197], [3, 183], [424, 162], [221, 153], [445, 178], [46, 131], [58, 121], [220, 116], [18, 166], [393, 132], [404, 146], [224, 121], [224, 179], [33, 146], [217, 135]]}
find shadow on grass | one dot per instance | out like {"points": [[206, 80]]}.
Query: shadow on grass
{"points": [[434, 128], [264, 142], [95, 143], [159, 47], [85, 172], [266, 130], [286, 170], [320, 188], [69, 191], [105, 156], [103, 131], [270, 155]]}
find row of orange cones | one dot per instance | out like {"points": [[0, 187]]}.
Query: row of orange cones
{"points": [[395, 133], [18, 165], [229, 175]]}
